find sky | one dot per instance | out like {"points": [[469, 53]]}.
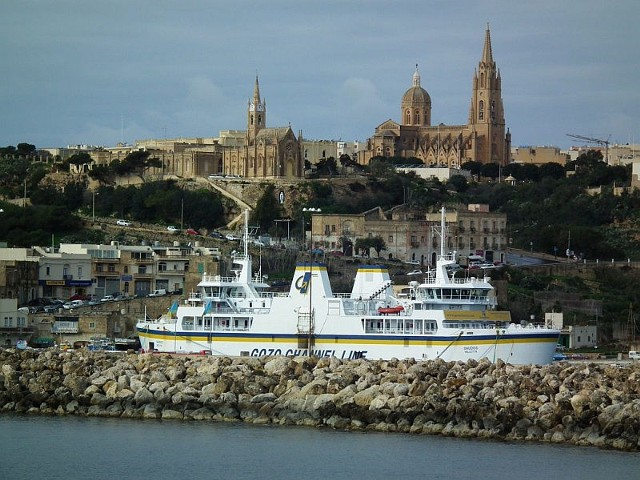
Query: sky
{"points": [[103, 72]]}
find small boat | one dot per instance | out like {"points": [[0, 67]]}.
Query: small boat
{"points": [[390, 310], [440, 317]]}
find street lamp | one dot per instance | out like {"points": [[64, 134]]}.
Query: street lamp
{"points": [[311, 210], [531, 246], [93, 205]]}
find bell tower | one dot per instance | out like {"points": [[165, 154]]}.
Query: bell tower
{"points": [[486, 114], [256, 112]]}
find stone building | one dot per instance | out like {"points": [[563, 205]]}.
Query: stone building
{"points": [[412, 236], [484, 138], [18, 274]]}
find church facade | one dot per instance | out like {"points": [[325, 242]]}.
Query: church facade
{"points": [[484, 138], [265, 152]]}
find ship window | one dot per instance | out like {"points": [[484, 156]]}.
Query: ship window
{"points": [[187, 323]]}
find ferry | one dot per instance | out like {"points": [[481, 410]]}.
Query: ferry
{"points": [[440, 317]]}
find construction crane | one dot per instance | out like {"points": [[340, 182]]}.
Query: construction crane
{"points": [[597, 141]]}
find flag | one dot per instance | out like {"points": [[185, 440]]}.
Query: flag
{"points": [[173, 309], [208, 307]]}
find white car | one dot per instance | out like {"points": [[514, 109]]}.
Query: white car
{"points": [[123, 223], [231, 237], [172, 229]]}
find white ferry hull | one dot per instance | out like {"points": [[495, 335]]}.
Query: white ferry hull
{"points": [[515, 344]]}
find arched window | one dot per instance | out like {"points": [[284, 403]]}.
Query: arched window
{"points": [[407, 117], [251, 120], [481, 110], [416, 117]]}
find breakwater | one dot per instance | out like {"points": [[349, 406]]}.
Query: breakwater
{"points": [[582, 404]]}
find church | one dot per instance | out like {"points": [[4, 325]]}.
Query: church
{"points": [[265, 152], [484, 139]]}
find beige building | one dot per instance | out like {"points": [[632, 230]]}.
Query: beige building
{"points": [[484, 138], [538, 155], [412, 236]]}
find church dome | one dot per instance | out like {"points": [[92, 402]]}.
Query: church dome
{"points": [[416, 95], [416, 104]]}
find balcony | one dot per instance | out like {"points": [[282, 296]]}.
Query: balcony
{"points": [[104, 273], [180, 272], [15, 329], [142, 261]]}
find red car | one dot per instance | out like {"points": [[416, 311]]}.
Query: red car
{"points": [[191, 231]]}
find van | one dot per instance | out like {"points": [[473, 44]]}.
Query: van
{"points": [[634, 355], [158, 293]]}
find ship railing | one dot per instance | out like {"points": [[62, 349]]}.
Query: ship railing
{"points": [[341, 295], [528, 325], [217, 278], [273, 294], [259, 310], [430, 280]]}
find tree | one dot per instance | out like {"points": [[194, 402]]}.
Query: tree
{"points": [[472, 166], [267, 209], [551, 169], [377, 243], [458, 183], [490, 170], [25, 149]]}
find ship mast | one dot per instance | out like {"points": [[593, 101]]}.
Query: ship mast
{"points": [[443, 235]]}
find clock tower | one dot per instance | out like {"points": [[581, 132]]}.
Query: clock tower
{"points": [[256, 113]]}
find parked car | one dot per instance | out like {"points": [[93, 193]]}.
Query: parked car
{"points": [[73, 304], [216, 235], [158, 293], [172, 229], [414, 272], [107, 298], [192, 231], [231, 237], [123, 223]]}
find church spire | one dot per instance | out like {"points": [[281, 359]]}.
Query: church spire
{"points": [[416, 77], [487, 54], [256, 92], [257, 112]]}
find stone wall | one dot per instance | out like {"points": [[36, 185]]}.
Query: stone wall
{"points": [[582, 404]]}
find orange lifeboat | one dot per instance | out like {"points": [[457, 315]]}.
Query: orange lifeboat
{"points": [[390, 310]]}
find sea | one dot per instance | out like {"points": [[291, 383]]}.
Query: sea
{"points": [[37, 447]]}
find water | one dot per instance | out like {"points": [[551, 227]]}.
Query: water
{"points": [[74, 447]]}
